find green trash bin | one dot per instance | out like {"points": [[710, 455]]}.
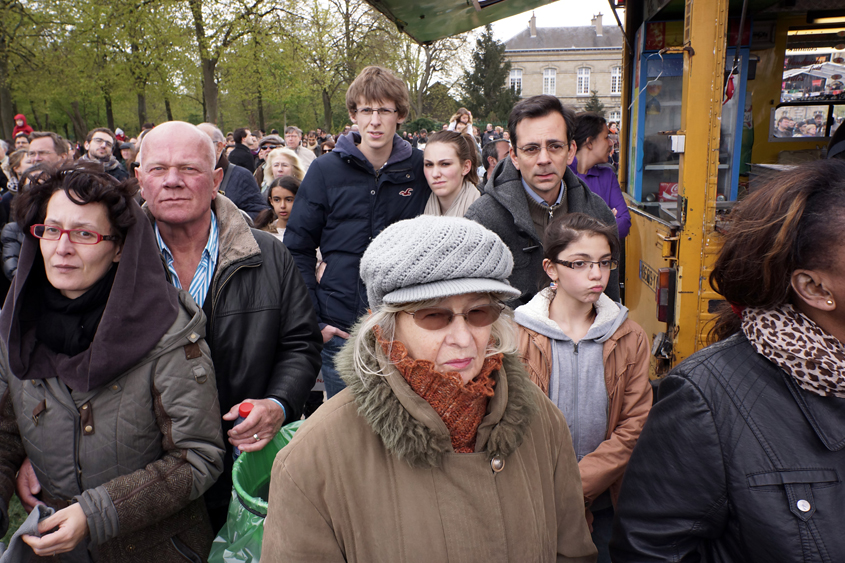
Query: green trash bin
{"points": [[241, 537]]}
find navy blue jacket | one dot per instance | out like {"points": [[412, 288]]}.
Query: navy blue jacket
{"points": [[242, 189], [342, 204], [242, 156]]}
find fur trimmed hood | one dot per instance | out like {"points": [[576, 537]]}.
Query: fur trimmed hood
{"points": [[411, 429]]}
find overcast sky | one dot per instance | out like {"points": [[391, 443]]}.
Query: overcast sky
{"points": [[563, 13]]}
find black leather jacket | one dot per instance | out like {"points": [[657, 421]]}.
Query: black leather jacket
{"points": [[736, 463], [262, 329]]}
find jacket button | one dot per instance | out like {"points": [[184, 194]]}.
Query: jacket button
{"points": [[130, 547], [497, 463], [85, 407], [33, 382], [407, 175], [114, 387], [89, 428], [373, 192], [803, 505]]}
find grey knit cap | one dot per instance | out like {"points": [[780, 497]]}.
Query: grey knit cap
{"points": [[432, 257]]}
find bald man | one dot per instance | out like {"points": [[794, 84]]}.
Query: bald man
{"points": [[238, 184], [262, 330]]}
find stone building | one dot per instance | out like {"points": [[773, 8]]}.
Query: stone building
{"points": [[569, 62]]}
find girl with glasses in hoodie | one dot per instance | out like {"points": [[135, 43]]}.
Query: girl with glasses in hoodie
{"points": [[591, 360]]}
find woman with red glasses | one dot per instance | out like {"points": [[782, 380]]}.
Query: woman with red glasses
{"points": [[440, 448], [107, 390], [591, 360]]}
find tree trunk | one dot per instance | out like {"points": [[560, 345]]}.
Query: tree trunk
{"points": [[260, 102], [7, 112], [142, 109], [209, 87], [80, 129], [327, 111], [168, 109], [109, 110], [36, 121]]}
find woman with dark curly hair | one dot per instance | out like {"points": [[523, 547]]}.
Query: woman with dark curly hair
{"points": [[743, 455], [106, 384]]}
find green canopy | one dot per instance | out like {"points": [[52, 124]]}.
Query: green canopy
{"points": [[429, 20]]}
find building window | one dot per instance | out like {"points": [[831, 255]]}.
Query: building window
{"points": [[549, 81], [616, 80], [583, 87], [516, 80], [616, 116]]}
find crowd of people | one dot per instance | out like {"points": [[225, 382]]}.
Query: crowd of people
{"points": [[787, 126], [174, 297]]}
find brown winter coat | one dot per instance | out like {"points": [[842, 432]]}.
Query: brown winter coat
{"points": [[372, 477], [626, 360]]}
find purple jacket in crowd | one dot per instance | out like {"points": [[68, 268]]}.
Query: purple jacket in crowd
{"points": [[602, 181]]}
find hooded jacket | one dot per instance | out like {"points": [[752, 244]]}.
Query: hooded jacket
{"points": [[129, 428], [342, 205], [372, 476], [602, 381], [504, 210], [25, 128]]}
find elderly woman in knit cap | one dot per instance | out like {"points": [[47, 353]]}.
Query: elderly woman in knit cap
{"points": [[440, 448]]}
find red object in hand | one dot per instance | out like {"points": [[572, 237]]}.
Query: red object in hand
{"points": [[244, 409]]}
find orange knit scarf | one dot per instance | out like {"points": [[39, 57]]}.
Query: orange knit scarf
{"points": [[460, 406]]}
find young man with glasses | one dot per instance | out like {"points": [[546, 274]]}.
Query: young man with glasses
{"points": [[99, 147], [526, 191], [372, 179]]}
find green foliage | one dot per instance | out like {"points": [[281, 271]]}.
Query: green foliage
{"points": [[594, 104], [485, 83], [439, 104], [17, 515], [73, 66], [421, 123]]}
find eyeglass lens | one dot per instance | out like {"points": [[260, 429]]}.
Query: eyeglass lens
{"points": [[78, 236], [435, 318]]}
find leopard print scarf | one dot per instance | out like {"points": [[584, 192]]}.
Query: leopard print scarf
{"points": [[814, 358]]}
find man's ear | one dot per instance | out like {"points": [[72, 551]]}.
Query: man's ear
{"points": [[218, 179], [809, 287], [573, 148], [512, 153]]}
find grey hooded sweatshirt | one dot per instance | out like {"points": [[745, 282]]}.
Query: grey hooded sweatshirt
{"points": [[577, 385]]}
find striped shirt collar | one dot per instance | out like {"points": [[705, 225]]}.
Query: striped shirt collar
{"points": [[201, 282]]}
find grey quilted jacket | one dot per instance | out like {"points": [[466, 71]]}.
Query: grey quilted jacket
{"points": [[503, 209], [136, 454]]}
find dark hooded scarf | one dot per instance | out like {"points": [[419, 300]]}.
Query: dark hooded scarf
{"points": [[89, 341]]}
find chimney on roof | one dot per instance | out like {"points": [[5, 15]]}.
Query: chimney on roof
{"points": [[532, 25], [596, 21]]}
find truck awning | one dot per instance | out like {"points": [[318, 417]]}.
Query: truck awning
{"points": [[428, 20]]}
